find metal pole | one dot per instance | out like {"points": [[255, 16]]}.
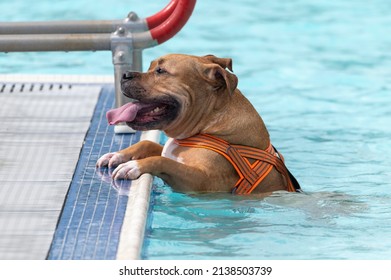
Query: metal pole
{"points": [[132, 63], [68, 27], [59, 27], [130, 60], [125, 58], [54, 42]]}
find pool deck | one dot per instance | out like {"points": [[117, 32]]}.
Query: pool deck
{"points": [[54, 203]]}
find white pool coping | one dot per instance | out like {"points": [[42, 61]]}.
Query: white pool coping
{"points": [[133, 227]]}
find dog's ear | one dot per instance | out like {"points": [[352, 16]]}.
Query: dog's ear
{"points": [[223, 62], [219, 74], [220, 78]]}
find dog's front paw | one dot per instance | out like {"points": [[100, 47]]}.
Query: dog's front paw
{"points": [[110, 160], [129, 170]]}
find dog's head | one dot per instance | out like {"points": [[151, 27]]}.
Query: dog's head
{"points": [[177, 90]]}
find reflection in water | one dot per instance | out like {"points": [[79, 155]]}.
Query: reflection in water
{"points": [[121, 186]]}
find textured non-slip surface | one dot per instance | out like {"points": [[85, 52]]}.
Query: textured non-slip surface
{"points": [[42, 130]]}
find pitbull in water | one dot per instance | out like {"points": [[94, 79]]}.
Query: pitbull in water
{"points": [[218, 141]]}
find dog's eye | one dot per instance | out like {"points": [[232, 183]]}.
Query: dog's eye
{"points": [[160, 70]]}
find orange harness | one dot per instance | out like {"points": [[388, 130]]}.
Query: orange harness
{"points": [[250, 174]]}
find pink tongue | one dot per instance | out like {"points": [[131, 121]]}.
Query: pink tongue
{"points": [[126, 113]]}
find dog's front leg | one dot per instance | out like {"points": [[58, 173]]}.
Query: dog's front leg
{"points": [[140, 150], [179, 176]]}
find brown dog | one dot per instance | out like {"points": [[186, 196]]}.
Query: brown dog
{"points": [[218, 142]]}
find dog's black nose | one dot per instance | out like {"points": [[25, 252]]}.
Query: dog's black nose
{"points": [[130, 75]]}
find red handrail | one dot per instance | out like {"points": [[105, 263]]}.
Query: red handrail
{"points": [[171, 19], [158, 18]]}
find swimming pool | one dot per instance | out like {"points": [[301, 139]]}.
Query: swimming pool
{"points": [[319, 74]]}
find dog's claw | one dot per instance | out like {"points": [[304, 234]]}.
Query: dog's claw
{"points": [[128, 170], [110, 160]]}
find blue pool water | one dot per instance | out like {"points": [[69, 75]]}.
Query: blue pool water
{"points": [[319, 73]]}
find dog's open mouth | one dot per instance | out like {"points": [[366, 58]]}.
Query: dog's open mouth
{"points": [[141, 115]]}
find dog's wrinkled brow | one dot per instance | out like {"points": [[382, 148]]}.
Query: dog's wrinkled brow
{"points": [[160, 61], [154, 63]]}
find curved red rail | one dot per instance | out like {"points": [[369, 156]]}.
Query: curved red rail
{"points": [[160, 17], [170, 20]]}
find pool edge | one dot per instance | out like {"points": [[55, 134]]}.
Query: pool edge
{"points": [[134, 223]]}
